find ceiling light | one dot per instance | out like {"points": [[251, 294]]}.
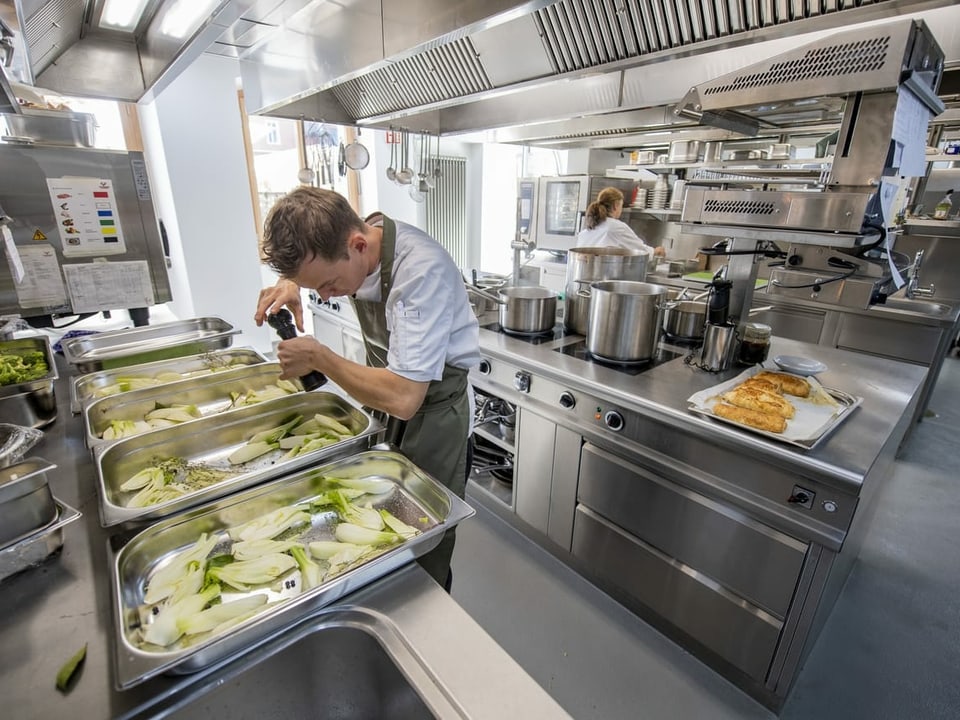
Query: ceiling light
{"points": [[122, 14], [184, 17]]}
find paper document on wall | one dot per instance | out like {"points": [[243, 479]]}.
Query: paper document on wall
{"points": [[910, 123], [892, 200], [42, 285], [88, 219], [109, 285], [13, 256]]}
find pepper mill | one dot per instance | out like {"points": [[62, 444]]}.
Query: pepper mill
{"points": [[282, 322]]}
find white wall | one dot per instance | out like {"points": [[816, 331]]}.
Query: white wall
{"points": [[499, 198], [194, 141]]}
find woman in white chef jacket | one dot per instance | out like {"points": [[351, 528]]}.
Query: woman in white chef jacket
{"points": [[603, 227]]}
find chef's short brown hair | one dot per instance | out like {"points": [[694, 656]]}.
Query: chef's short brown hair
{"points": [[305, 223]]}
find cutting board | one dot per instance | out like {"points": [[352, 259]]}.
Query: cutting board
{"points": [[706, 277]]}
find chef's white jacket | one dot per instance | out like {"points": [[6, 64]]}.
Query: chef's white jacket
{"points": [[612, 233]]}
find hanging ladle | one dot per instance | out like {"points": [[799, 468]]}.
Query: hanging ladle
{"points": [[405, 174], [391, 170]]}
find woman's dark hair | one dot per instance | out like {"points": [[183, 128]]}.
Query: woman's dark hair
{"points": [[305, 223], [603, 207]]}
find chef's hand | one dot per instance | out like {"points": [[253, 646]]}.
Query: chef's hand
{"points": [[659, 252], [298, 356], [284, 293]]}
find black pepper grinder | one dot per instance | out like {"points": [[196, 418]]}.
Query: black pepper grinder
{"points": [[282, 322], [718, 310]]}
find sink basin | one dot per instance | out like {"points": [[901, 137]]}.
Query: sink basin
{"points": [[341, 669], [925, 307]]}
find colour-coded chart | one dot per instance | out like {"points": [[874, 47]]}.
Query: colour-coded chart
{"points": [[87, 218]]}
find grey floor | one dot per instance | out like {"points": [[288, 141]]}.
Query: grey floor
{"points": [[890, 649]]}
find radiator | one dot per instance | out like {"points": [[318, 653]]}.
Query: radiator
{"points": [[446, 208]]}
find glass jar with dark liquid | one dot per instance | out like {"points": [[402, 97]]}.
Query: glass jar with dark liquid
{"points": [[755, 345]]}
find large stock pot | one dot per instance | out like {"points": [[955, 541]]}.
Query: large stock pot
{"points": [[625, 319], [590, 264]]}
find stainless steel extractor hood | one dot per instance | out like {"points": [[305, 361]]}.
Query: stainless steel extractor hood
{"points": [[443, 66], [68, 46], [886, 77], [531, 64]]}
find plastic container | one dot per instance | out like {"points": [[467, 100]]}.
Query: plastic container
{"points": [[755, 345], [943, 208]]}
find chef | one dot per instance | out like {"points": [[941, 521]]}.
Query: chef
{"points": [[603, 227], [420, 334]]}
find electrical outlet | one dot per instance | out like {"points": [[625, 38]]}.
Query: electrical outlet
{"points": [[802, 497]]}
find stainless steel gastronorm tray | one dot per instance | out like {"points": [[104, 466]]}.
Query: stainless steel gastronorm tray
{"points": [[120, 348], [32, 403], [210, 441], [83, 389], [37, 547], [418, 500], [846, 402], [211, 394]]}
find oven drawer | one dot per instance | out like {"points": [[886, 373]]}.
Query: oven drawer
{"points": [[740, 633], [745, 556]]}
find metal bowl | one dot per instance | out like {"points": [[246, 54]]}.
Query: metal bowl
{"points": [[26, 503]]}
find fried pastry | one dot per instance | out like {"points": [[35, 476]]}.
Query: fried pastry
{"points": [[753, 418], [789, 384], [760, 384], [753, 398]]}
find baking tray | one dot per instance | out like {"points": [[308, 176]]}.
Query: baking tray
{"points": [[418, 500], [813, 421], [32, 403], [210, 441], [84, 389], [34, 549], [121, 348], [211, 394]]}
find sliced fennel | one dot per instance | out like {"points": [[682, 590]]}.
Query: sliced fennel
{"points": [[311, 574], [244, 573], [218, 615], [359, 535], [270, 525], [251, 549], [357, 514], [165, 628], [397, 525], [169, 577]]}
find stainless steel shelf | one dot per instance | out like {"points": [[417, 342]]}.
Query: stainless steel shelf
{"points": [[491, 487], [489, 432]]}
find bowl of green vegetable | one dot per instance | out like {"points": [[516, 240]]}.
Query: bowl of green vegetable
{"points": [[27, 376]]}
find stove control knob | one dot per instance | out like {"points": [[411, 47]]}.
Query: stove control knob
{"points": [[484, 367], [521, 381], [613, 420], [567, 400]]}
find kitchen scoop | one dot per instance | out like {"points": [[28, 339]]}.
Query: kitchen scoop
{"points": [[282, 322]]}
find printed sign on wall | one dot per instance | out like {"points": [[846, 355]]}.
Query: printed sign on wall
{"points": [[87, 217]]}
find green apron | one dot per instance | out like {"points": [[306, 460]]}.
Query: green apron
{"points": [[435, 439]]}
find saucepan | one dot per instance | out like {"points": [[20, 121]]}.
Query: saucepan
{"points": [[523, 309], [684, 319]]}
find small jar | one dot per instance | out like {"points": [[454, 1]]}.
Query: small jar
{"points": [[755, 345]]}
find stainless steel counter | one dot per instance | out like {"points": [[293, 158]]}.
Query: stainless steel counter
{"points": [[50, 611], [843, 459], [713, 532]]}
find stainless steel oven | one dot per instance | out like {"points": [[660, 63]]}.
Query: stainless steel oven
{"points": [[647, 511], [562, 203]]}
